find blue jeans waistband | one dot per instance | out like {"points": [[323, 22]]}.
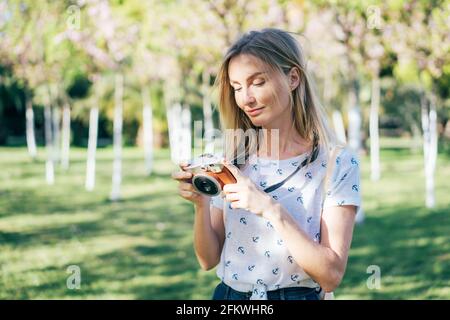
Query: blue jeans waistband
{"points": [[225, 292]]}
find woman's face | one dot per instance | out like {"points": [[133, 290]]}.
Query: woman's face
{"points": [[261, 95]]}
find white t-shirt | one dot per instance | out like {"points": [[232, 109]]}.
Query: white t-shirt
{"points": [[254, 257]]}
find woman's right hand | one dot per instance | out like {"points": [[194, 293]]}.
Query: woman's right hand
{"points": [[186, 189]]}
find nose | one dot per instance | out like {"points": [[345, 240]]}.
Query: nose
{"points": [[249, 98]]}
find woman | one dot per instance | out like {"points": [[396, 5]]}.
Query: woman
{"points": [[290, 242]]}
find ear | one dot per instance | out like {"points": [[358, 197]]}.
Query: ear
{"points": [[294, 78]]}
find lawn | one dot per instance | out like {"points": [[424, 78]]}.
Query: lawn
{"points": [[141, 247]]}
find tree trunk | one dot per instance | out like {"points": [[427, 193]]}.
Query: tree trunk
{"points": [[429, 127], [147, 117], [354, 113], [56, 123], [374, 132], [354, 126], [416, 134], [425, 127], [339, 126], [117, 139], [171, 129], [49, 164], [65, 136], [175, 128], [92, 148], [431, 200], [31, 139], [207, 114], [186, 136]]}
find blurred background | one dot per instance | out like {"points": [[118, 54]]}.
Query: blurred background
{"points": [[100, 99]]}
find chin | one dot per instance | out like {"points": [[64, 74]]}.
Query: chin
{"points": [[260, 121]]}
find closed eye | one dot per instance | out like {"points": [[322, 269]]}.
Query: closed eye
{"points": [[260, 84]]}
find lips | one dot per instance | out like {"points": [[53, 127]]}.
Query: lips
{"points": [[255, 112]]}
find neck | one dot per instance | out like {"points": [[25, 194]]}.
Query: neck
{"points": [[282, 142]]}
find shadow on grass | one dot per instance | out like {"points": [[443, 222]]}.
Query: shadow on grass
{"points": [[111, 218], [409, 245], [141, 247]]}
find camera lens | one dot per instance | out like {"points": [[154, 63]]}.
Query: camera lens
{"points": [[205, 185]]}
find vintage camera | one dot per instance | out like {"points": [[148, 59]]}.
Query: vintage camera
{"points": [[209, 175]]}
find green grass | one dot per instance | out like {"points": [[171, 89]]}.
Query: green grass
{"points": [[141, 247]]}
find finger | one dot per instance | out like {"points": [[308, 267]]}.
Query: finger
{"points": [[236, 205], [187, 194], [181, 175], [186, 186], [184, 164], [230, 188], [232, 197]]}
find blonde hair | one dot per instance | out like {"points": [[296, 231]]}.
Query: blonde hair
{"points": [[280, 52]]}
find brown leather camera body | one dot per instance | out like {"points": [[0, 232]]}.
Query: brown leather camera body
{"points": [[224, 177], [209, 174], [211, 182]]}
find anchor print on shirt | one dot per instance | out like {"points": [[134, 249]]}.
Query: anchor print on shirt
{"points": [[243, 220], [269, 225], [309, 219], [294, 277], [275, 197], [300, 199], [255, 239], [227, 264], [355, 187], [338, 160], [280, 171], [354, 161], [250, 268], [235, 276], [295, 163], [275, 271], [241, 250], [290, 259], [317, 236], [229, 235], [291, 189], [308, 175], [324, 164], [267, 253], [255, 167], [280, 242], [260, 282]]}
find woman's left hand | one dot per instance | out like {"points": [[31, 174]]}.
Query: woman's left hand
{"points": [[244, 194]]}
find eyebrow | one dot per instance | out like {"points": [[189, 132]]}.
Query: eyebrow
{"points": [[251, 76]]}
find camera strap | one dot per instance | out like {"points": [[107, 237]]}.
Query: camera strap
{"points": [[314, 155]]}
